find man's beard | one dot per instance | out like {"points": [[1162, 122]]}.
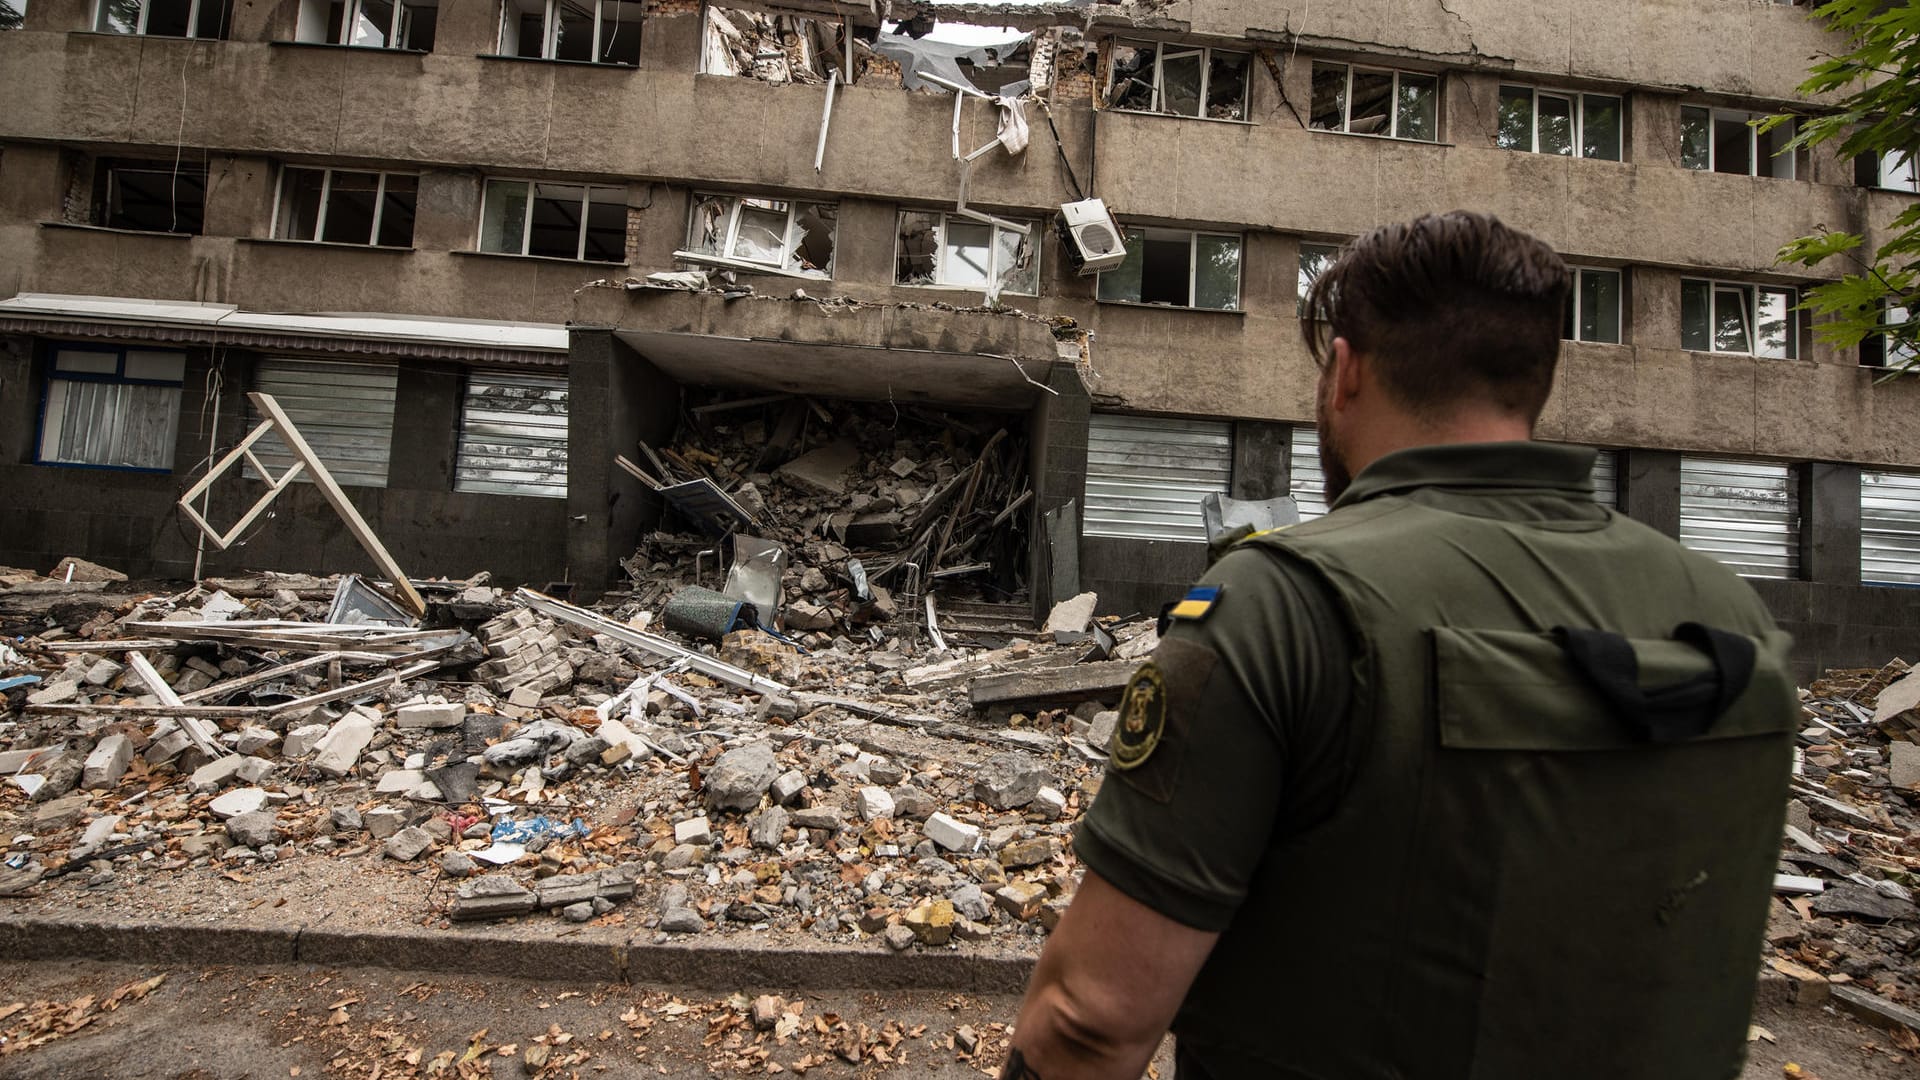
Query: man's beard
{"points": [[1334, 473]]}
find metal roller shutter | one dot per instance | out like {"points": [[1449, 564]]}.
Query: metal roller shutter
{"points": [[1890, 528], [1606, 479], [1744, 513], [344, 411], [1146, 475], [1303, 466], [513, 436]]}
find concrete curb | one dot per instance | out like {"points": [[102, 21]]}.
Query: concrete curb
{"points": [[631, 959]]}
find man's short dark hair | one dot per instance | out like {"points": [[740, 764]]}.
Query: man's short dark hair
{"points": [[1452, 308]]}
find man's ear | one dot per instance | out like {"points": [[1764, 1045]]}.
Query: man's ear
{"points": [[1346, 374]]}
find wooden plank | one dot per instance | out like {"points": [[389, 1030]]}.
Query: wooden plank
{"points": [[1099, 680], [138, 662], [232, 686], [338, 500]]}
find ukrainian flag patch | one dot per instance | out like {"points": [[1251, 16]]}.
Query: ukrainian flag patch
{"points": [[1197, 603]]}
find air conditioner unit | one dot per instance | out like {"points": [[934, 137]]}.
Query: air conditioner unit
{"points": [[1091, 236]]}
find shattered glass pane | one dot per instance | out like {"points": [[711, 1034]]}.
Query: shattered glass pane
{"points": [[556, 220], [1314, 258], [503, 221], [1693, 137], [1600, 127], [1731, 316], [813, 227], [1773, 328], [1418, 113], [1732, 145], [1516, 119], [299, 203], [915, 256], [1371, 110], [1556, 125], [573, 37], [1216, 272], [1180, 83], [118, 17], [619, 32], [1600, 306], [1132, 83], [966, 254], [1695, 300], [350, 203], [1017, 261], [761, 234], [396, 211], [1123, 282], [606, 233], [707, 232], [1227, 86], [373, 19], [1329, 108]]}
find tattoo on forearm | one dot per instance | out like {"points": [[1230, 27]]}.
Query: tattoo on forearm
{"points": [[1017, 1068]]}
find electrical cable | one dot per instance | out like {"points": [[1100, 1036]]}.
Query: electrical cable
{"points": [[1061, 149]]}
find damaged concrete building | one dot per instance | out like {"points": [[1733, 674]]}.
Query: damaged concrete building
{"points": [[478, 251]]}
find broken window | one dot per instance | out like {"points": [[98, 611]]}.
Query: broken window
{"points": [[1564, 123], [1314, 258], [164, 18], [153, 197], [762, 234], [1725, 141], [554, 220], [370, 24], [13, 14], [1178, 80], [1176, 268], [585, 31], [343, 410], [1729, 317], [340, 206], [1593, 307], [772, 48], [949, 249], [1375, 101], [112, 407], [513, 435]]}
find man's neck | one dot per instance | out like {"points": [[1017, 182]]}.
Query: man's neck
{"points": [[1406, 433]]}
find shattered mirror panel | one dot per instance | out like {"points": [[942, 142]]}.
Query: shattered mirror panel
{"points": [[1329, 108], [1131, 86], [916, 255], [1227, 85], [1180, 83], [1018, 261], [814, 226]]}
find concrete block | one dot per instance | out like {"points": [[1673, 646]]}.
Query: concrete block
{"points": [[383, 821], [875, 803], [696, 831], [301, 740], [407, 844], [108, 762], [339, 750], [399, 781], [1903, 770], [430, 716], [238, 801], [953, 834]]}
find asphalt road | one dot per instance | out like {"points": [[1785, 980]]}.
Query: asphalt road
{"points": [[88, 1019]]}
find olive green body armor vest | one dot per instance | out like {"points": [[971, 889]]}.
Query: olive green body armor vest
{"points": [[1524, 878]]}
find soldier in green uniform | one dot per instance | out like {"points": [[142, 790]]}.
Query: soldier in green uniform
{"points": [[1471, 777]]}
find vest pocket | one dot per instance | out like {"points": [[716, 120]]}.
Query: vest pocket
{"points": [[1519, 690]]}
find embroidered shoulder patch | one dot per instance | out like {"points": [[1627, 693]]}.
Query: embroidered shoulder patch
{"points": [[1143, 718], [1198, 602]]}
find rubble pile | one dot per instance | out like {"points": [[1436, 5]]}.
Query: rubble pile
{"points": [[544, 761], [1850, 859]]}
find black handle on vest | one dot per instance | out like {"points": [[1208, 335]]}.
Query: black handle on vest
{"points": [[1664, 714]]}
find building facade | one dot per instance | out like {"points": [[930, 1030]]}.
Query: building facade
{"points": [[428, 230]]}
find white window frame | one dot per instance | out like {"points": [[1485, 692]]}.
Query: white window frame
{"points": [[1898, 170], [941, 220], [100, 25], [1578, 102], [1750, 316], [550, 32], [1619, 315], [1205, 53], [735, 203], [1757, 165], [350, 12], [1193, 268], [1393, 112], [526, 227], [51, 424], [326, 193]]}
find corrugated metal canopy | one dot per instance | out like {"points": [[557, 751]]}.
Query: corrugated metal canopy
{"points": [[1146, 475]]}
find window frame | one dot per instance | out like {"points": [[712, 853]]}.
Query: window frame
{"points": [[1301, 282], [1750, 316], [526, 226], [1193, 269], [100, 25], [1577, 100], [326, 189], [1574, 305], [350, 11], [1755, 169], [108, 172], [737, 202], [1909, 161], [118, 378], [941, 218], [1205, 53], [550, 37], [1393, 96]]}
